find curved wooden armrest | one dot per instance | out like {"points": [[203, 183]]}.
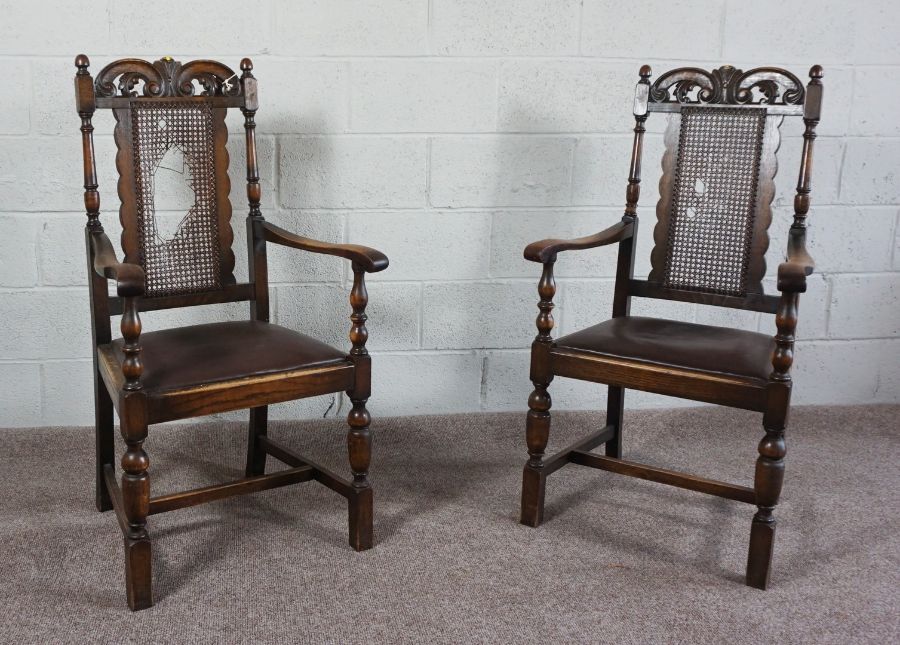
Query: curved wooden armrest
{"points": [[129, 277], [792, 273], [546, 250], [370, 260]]}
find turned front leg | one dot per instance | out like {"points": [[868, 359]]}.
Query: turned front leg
{"points": [[537, 434], [770, 464], [136, 500], [359, 441], [537, 424], [135, 462], [767, 483]]}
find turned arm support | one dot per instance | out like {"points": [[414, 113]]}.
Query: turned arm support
{"points": [[369, 260], [791, 282], [129, 277], [364, 259], [793, 272], [130, 286], [545, 250]]}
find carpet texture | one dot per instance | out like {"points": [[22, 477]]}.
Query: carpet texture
{"points": [[617, 559]]}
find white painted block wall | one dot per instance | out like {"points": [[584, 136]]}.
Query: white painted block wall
{"points": [[449, 133]]}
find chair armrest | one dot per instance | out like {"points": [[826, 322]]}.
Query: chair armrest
{"points": [[370, 260], [793, 272], [546, 250], [129, 277]]}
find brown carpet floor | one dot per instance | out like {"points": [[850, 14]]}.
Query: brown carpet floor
{"points": [[617, 560]]}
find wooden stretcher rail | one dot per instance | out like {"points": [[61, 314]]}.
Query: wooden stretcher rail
{"points": [[320, 474], [589, 442], [115, 496], [663, 476], [184, 499]]}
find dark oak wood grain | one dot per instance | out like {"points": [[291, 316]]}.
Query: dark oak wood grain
{"points": [[664, 476], [254, 484], [134, 375], [368, 259], [727, 367]]}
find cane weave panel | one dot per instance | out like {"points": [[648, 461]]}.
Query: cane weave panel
{"points": [[189, 261], [714, 199]]}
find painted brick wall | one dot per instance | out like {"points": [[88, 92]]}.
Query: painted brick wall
{"points": [[449, 133]]}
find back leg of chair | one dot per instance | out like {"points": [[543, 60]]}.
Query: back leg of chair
{"points": [[615, 411], [104, 439], [767, 483], [256, 456]]}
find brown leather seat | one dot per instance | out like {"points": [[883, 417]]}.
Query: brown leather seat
{"points": [[217, 352], [685, 345]]}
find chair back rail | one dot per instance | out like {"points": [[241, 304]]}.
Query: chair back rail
{"points": [[717, 187], [169, 108]]}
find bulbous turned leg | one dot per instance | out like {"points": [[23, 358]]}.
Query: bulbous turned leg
{"points": [[537, 425], [136, 500], [537, 433], [767, 483], [359, 447]]}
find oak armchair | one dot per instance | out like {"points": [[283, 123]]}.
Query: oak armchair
{"points": [[710, 242], [201, 369]]}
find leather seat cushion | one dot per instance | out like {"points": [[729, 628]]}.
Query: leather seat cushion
{"points": [[685, 345], [189, 356]]}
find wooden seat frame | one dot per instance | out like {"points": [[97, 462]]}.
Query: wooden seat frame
{"points": [[117, 383], [782, 95]]}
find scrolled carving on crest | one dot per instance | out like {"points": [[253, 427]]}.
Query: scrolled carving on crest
{"points": [[129, 72], [728, 85], [134, 77], [677, 85], [776, 86]]}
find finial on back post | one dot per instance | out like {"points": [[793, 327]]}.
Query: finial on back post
{"points": [[251, 100], [641, 110], [812, 104], [82, 62], [812, 108], [85, 105]]}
